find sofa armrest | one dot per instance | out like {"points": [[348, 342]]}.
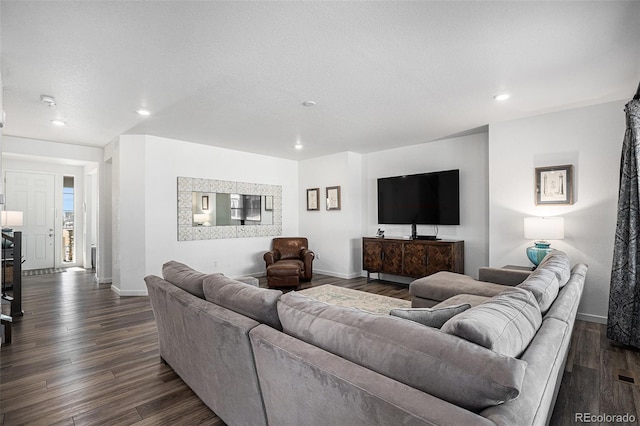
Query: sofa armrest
{"points": [[307, 257], [271, 257], [307, 254], [511, 277]]}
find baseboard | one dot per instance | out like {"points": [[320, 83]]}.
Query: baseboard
{"points": [[252, 274], [397, 279], [591, 318], [337, 274], [101, 280], [128, 293]]}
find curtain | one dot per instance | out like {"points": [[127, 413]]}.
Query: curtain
{"points": [[623, 323]]}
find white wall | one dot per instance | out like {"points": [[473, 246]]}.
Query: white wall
{"points": [[129, 216], [590, 139], [466, 153], [147, 174], [334, 235]]}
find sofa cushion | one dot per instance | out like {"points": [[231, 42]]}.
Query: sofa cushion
{"points": [[558, 263], [461, 299], [440, 364], [543, 283], [253, 302], [505, 323], [184, 277], [443, 285], [431, 317], [566, 304]]}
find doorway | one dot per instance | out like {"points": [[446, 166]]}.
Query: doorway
{"points": [[34, 195]]}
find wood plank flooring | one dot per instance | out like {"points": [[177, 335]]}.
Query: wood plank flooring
{"points": [[82, 355]]}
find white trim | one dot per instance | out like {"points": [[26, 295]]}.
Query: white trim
{"points": [[592, 318], [128, 293], [99, 280], [250, 274], [337, 274]]}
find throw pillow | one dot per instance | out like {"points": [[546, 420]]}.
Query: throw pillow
{"points": [[506, 323], [184, 277], [431, 317], [558, 263], [544, 286], [253, 302]]}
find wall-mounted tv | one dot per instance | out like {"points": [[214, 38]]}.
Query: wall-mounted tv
{"points": [[421, 199]]}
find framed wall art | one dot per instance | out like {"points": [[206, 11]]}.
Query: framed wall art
{"points": [[333, 198], [554, 185], [313, 199]]}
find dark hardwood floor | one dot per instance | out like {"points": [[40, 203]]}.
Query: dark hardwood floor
{"points": [[82, 355]]}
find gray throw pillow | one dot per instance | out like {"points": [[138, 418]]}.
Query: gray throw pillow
{"points": [[558, 263], [253, 302], [544, 286], [431, 317], [184, 277], [506, 323]]}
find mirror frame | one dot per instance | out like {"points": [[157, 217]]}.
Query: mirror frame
{"points": [[187, 232]]}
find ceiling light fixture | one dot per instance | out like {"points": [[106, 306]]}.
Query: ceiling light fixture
{"points": [[143, 111], [58, 123], [49, 100], [501, 96], [309, 103], [298, 145]]}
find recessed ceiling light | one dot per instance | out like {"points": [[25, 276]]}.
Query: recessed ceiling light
{"points": [[143, 111], [298, 145], [309, 103], [58, 123], [49, 100], [501, 96]]}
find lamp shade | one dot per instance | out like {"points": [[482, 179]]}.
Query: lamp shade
{"points": [[200, 218], [10, 218], [544, 228]]}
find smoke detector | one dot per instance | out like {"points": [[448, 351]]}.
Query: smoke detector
{"points": [[49, 100]]}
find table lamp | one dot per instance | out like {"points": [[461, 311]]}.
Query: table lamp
{"points": [[542, 229], [9, 219]]}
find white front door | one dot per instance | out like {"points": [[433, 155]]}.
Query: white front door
{"points": [[33, 194]]}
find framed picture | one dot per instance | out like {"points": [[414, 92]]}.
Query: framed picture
{"points": [[205, 202], [268, 203], [554, 185], [333, 198], [313, 199]]}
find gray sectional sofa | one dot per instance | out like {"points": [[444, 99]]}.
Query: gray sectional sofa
{"points": [[257, 356]]}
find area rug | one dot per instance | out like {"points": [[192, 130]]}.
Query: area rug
{"points": [[341, 296], [43, 271]]}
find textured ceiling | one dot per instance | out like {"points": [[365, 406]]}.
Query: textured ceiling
{"points": [[234, 74]]}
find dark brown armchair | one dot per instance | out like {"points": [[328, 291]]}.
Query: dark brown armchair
{"points": [[292, 251]]}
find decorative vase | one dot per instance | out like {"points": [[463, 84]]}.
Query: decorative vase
{"points": [[538, 252]]}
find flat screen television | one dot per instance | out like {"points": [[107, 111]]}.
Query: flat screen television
{"points": [[421, 199]]}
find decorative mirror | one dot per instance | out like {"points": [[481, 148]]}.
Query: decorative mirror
{"points": [[212, 209]]}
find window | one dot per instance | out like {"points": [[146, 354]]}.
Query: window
{"points": [[68, 222]]}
